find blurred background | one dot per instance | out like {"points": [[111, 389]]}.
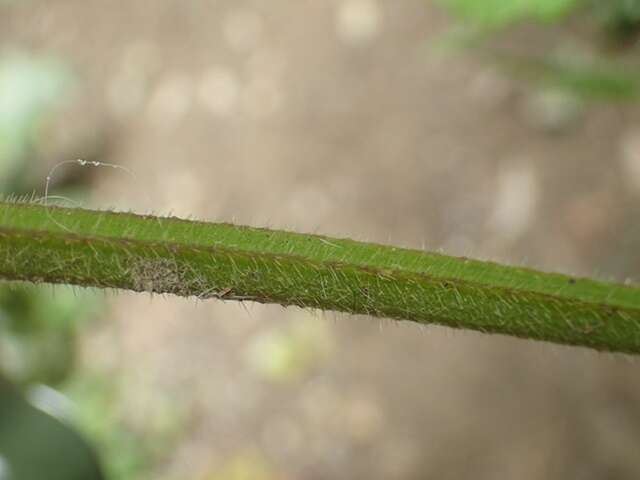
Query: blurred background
{"points": [[505, 130]]}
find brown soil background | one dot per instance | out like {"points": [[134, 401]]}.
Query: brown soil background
{"points": [[341, 117]]}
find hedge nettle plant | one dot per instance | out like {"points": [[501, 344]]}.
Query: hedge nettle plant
{"points": [[44, 243]]}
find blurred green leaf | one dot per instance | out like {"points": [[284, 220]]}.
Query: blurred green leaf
{"points": [[620, 18], [35, 445], [30, 87], [493, 14], [588, 79], [38, 331], [128, 449]]}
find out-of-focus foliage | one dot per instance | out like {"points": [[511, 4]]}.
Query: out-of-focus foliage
{"points": [[35, 445], [491, 14], [38, 330], [603, 69], [621, 18], [289, 354], [495, 14], [597, 79], [30, 89], [248, 465], [128, 449]]}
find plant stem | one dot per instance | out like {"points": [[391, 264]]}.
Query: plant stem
{"points": [[189, 258]]}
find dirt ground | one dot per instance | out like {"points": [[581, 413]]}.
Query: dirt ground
{"points": [[344, 117]]}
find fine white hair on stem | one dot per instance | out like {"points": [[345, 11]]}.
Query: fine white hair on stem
{"points": [[83, 163]]}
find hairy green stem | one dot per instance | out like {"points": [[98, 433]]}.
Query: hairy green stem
{"points": [[190, 258]]}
